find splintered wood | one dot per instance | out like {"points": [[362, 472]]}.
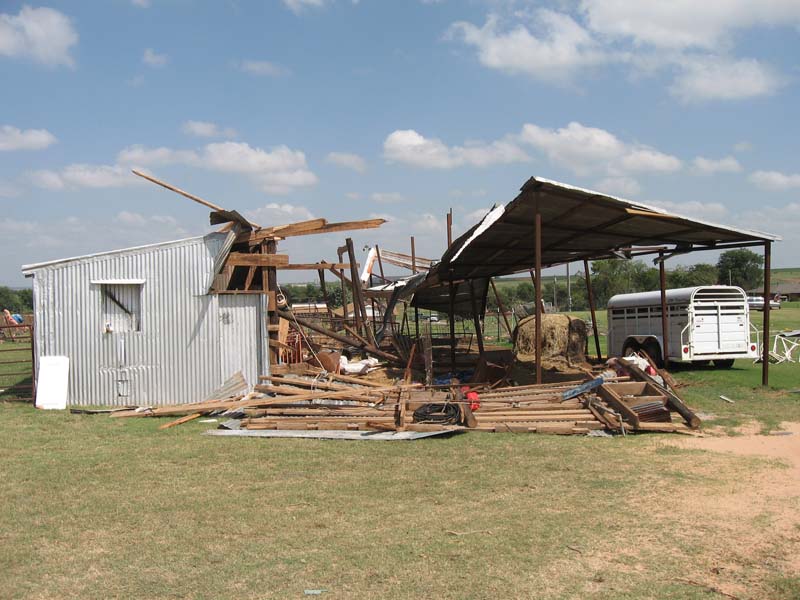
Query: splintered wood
{"points": [[309, 399]]}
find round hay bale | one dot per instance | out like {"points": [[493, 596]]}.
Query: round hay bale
{"points": [[563, 341]]}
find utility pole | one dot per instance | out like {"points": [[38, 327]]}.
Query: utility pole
{"points": [[555, 298], [569, 291]]}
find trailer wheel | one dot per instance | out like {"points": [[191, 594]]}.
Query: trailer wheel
{"points": [[654, 352], [725, 363], [630, 347]]}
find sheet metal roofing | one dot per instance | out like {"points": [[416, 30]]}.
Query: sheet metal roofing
{"points": [[577, 224], [28, 270]]}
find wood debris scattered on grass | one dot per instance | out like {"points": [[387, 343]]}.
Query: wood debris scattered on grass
{"points": [[311, 399]]}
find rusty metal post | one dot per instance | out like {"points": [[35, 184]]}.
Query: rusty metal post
{"points": [[451, 317], [767, 290], [450, 228], [32, 330], [590, 294], [538, 338], [662, 274], [414, 270], [323, 288], [476, 318], [502, 310]]}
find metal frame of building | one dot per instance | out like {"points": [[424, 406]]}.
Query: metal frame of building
{"points": [[551, 223]]}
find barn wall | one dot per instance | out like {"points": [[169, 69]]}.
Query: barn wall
{"points": [[176, 357]]}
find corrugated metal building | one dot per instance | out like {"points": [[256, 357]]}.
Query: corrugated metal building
{"points": [[140, 327]]}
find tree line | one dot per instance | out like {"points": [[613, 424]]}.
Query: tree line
{"points": [[16, 301], [739, 267]]}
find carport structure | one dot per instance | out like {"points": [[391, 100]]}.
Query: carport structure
{"points": [[551, 223]]}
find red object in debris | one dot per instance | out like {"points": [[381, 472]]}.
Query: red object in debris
{"points": [[650, 370], [472, 397]]}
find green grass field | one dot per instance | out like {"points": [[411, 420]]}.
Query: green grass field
{"points": [[94, 507], [100, 508]]}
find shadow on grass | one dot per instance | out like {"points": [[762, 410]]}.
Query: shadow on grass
{"points": [[21, 391]]}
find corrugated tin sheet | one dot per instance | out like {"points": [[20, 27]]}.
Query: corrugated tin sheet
{"points": [[577, 224], [176, 355]]}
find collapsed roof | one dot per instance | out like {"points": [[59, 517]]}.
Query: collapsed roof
{"points": [[577, 224]]}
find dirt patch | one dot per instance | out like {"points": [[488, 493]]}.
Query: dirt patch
{"points": [[783, 445], [753, 523]]}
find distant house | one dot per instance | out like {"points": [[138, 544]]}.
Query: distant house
{"points": [[790, 291]]}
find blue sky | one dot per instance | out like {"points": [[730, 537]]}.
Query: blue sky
{"points": [[343, 109]]}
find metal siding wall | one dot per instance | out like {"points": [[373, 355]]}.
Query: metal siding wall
{"points": [[175, 357]]}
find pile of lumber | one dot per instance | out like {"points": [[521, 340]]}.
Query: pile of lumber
{"points": [[305, 398], [536, 409]]}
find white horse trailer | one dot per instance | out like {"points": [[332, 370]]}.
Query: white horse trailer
{"points": [[704, 324]]}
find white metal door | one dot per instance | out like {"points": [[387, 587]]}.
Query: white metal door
{"points": [[240, 336]]}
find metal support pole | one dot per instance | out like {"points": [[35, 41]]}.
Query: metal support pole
{"points": [[501, 308], [569, 291], [324, 290], [662, 274], [538, 338], [269, 282], [451, 317], [32, 330], [476, 318], [414, 270], [590, 294], [450, 228], [767, 290]]}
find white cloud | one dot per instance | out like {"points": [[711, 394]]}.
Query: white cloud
{"points": [[207, 129], [141, 156], [692, 41], [699, 210], [8, 190], [261, 67], [774, 180], [141, 3], [12, 138], [83, 176], [298, 6], [586, 150], [743, 146], [153, 59], [703, 78], [42, 34], [135, 81], [648, 160], [679, 24], [459, 193], [709, 166], [277, 171], [409, 147], [471, 218], [556, 52], [45, 179], [279, 214], [625, 187], [348, 161], [353, 196], [75, 236], [429, 223], [781, 220], [387, 197], [581, 149]]}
